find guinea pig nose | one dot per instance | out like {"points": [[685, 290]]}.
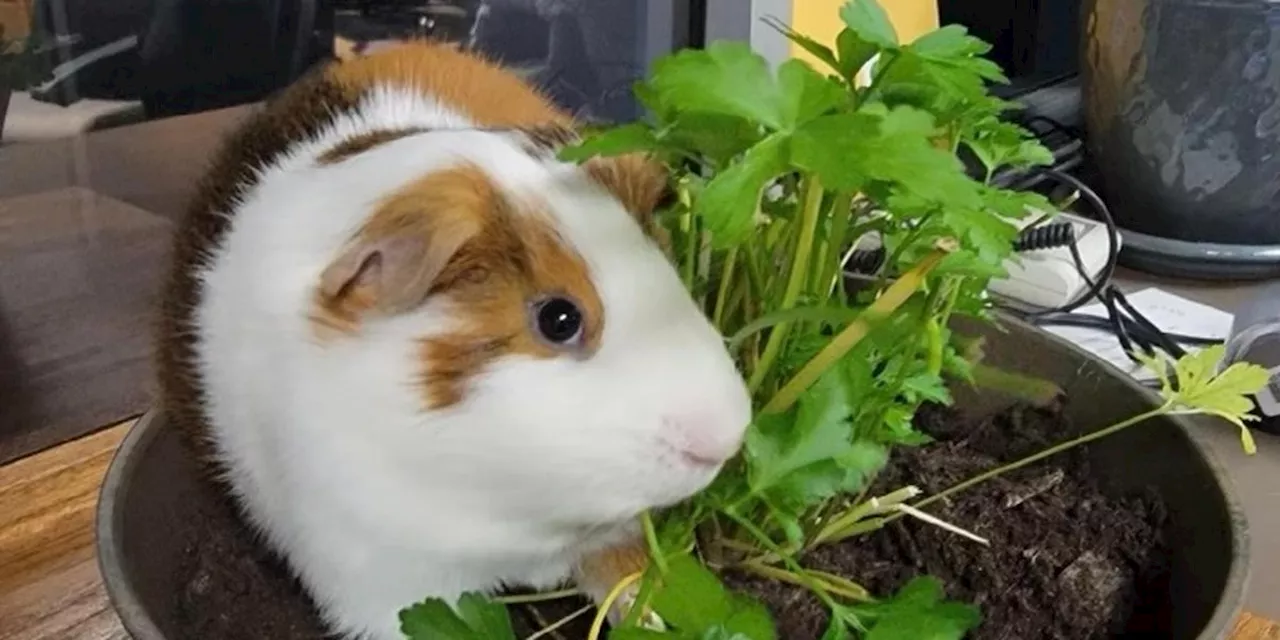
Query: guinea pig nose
{"points": [[700, 439]]}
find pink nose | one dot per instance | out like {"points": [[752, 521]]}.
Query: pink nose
{"points": [[702, 439]]}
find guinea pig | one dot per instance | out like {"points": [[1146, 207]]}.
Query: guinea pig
{"points": [[424, 355]]}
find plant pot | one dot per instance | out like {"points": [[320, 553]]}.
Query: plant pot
{"points": [[1184, 137], [5, 94], [154, 512]]}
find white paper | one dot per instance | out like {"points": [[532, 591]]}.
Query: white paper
{"points": [[1168, 312]]}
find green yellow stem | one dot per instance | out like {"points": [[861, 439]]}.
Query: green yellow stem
{"points": [[538, 597], [884, 306], [726, 284], [597, 625], [809, 215]]}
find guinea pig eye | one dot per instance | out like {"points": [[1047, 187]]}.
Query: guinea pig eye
{"points": [[558, 321]]}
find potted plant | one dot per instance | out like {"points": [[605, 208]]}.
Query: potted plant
{"points": [[861, 506], [20, 67]]}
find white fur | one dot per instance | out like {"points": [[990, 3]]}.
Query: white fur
{"points": [[378, 503]]}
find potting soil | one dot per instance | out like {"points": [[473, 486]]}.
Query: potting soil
{"points": [[1065, 562]]}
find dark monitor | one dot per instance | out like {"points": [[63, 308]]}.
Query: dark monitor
{"points": [[1035, 41]]}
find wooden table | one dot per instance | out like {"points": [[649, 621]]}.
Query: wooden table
{"points": [[49, 584]]}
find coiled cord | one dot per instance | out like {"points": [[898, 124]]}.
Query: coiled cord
{"points": [[1049, 236]]}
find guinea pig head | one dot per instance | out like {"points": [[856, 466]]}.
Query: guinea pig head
{"points": [[560, 362]]}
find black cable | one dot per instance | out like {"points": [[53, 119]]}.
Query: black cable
{"points": [[1129, 325], [1133, 330]]}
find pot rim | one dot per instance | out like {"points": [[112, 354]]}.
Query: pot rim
{"points": [[139, 623], [120, 591]]}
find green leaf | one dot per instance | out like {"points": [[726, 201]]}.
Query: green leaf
{"points": [[816, 49], [489, 619], [475, 618], [855, 53], [919, 612], [641, 633], [806, 93], [628, 138], [695, 602], [728, 203], [719, 137], [727, 78], [779, 445], [691, 597], [869, 20], [1202, 388], [846, 150]]}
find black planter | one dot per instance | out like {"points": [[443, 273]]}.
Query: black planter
{"points": [[1182, 106], [5, 94], [152, 493]]}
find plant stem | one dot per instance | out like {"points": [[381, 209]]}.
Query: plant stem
{"points": [[893, 297], [651, 540], [597, 625], [726, 283], [811, 194], [538, 597], [786, 558], [552, 628], [871, 507], [829, 266], [1051, 451]]}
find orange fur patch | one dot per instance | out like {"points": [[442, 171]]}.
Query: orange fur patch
{"points": [[597, 573], [501, 258], [637, 180], [517, 259], [490, 95]]}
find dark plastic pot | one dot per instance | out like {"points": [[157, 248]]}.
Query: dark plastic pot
{"points": [[4, 109], [151, 489], [1182, 108]]}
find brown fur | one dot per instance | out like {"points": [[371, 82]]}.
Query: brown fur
{"points": [[300, 111], [493, 280], [493, 277], [598, 573], [362, 143], [488, 94], [636, 180]]}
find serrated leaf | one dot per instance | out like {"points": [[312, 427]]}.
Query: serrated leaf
{"points": [[855, 52], [818, 430], [928, 388], [750, 620], [628, 138], [848, 149], [869, 20], [718, 137], [806, 93], [691, 597], [816, 49], [919, 612], [727, 77], [489, 619], [694, 601], [474, 618], [727, 205]]}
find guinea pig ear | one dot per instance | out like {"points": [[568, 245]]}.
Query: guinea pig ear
{"points": [[393, 263], [637, 180]]}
